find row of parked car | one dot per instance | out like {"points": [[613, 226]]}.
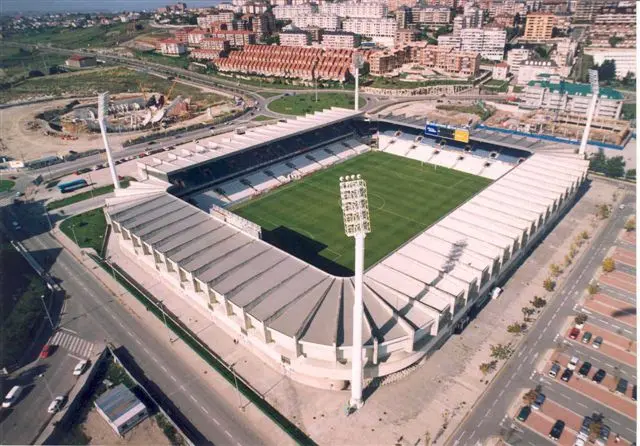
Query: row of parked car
{"points": [[586, 337], [583, 372]]}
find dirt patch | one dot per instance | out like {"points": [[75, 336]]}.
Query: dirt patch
{"points": [[99, 432]]}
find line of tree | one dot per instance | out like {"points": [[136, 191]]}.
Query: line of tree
{"points": [[613, 167]]}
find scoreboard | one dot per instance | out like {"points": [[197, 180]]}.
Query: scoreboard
{"points": [[461, 135]]}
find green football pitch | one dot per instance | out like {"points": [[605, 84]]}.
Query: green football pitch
{"points": [[405, 197]]}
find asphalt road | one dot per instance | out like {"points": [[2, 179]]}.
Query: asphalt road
{"points": [[94, 314], [488, 418]]}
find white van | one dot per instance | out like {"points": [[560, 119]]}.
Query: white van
{"points": [[12, 396]]}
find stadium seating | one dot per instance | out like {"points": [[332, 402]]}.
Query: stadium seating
{"points": [[280, 171], [234, 190], [496, 169], [470, 164], [323, 157], [304, 164], [444, 158], [341, 151], [261, 181]]}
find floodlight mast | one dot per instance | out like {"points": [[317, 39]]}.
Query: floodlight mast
{"points": [[103, 107], [357, 224], [595, 90], [358, 62]]}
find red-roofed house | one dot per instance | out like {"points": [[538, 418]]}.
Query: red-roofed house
{"points": [[501, 71], [77, 61]]}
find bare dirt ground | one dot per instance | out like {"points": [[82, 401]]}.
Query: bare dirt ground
{"points": [[148, 432], [428, 110]]}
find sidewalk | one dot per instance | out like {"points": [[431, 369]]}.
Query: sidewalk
{"points": [[269, 432]]}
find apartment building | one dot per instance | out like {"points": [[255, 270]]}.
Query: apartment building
{"points": [[353, 9], [405, 37], [431, 15], [328, 22], [295, 38], [254, 8], [531, 70], [263, 24], [539, 26], [451, 61], [172, 47], [501, 71], [625, 58], [213, 43], [288, 12], [205, 22], [571, 98], [236, 38], [516, 57], [393, 5], [339, 40], [383, 27], [289, 62], [404, 16], [382, 62], [565, 51], [488, 42], [182, 35], [196, 36], [206, 54], [507, 7]]}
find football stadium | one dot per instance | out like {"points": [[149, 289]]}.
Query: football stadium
{"points": [[247, 228]]}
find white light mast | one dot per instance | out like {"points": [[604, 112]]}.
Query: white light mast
{"points": [[595, 90], [355, 212], [358, 61], [103, 112]]}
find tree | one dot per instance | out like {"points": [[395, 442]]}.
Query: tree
{"points": [[580, 319], [584, 235], [501, 351], [542, 51], [567, 260], [488, 367], [615, 167], [595, 427], [538, 302], [607, 70], [615, 40], [515, 328], [630, 224], [629, 80], [529, 397], [631, 174], [527, 312], [593, 288], [555, 270], [608, 265], [549, 284], [598, 161], [603, 211]]}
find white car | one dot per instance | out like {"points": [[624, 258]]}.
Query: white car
{"points": [[56, 404], [573, 362], [80, 368]]}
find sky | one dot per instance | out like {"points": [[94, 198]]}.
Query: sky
{"points": [[24, 6]]}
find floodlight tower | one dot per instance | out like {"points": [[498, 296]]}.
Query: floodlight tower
{"points": [[358, 62], [103, 106], [355, 212], [595, 90]]}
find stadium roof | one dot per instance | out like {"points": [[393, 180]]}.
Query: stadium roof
{"points": [[206, 149], [577, 89], [404, 292]]}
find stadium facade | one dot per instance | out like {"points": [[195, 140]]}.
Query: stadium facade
{"points": [[296, 317]]}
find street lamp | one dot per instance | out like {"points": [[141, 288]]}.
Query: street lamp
{"points": [[73, 231], [46, 310], [235, 380], [595, 91], [355, 213]]}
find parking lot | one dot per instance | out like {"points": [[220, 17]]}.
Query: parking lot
{"points": [[606, 341]]}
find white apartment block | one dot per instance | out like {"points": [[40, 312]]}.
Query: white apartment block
{"points": [[384, 27], [295, 39], [489, 43], [206, 21], [565, 51], [329, 22], [358, 10], [625, 58], [339, 40], [289, 12], [516, 57], [432, 15], [449, 41]]}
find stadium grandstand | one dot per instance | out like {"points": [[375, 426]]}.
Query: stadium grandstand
{"points": [[298, 317]]}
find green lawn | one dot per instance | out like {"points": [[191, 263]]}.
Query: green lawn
{"points": [[85, 195], [18, 61], [6, 185], [405, 197], [301, 104], [88, 229], [262, 118], [385, 82]]}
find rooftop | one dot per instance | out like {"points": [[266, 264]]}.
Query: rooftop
{"points": [[577, 89], [118, 402]]}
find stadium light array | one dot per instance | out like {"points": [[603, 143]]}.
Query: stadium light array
{"points": [[103, 112], [357, 224]]}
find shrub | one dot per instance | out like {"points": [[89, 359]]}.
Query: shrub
{"points": [[630, 225], [603, 211], [567, 260], [555, 270], [581, 319], [501, 351], [549, 284], [584, 235], [488, 367], [593, 288], [538, 302], [526, 311], [608, 265], [529, 397], [515, 328]]}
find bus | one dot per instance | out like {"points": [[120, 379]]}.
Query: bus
{"points": [[72, 185]]}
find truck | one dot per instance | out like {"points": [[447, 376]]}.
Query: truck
{"points": [[241, 130]]}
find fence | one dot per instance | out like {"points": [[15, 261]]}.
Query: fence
{"points": [[209, 356]]}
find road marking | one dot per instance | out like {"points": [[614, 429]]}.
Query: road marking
{"points": [[583, 405], [472, 434], [163, 368], [138, 342], [501, 392], [69, 330], [193, 399], [155, 359], [228, 434], [76, 357], [615, 326], [216, 421], [173, 378], [564, 395], [614, 422], [147, 351], [610, 365], [129, 333], [204, 410], [586, 311]]}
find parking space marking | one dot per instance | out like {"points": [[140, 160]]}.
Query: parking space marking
{"points": [[216, 421]]}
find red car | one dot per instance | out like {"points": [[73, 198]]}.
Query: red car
{"points": [[47, 350], [573, 334]]}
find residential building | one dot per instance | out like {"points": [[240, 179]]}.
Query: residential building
{"points": [[353, 9], [328, 22], [539, 26], [533, 69], [384, 27], [206, 54], [263, 24], [121, 409], [405, 37], [316, 33], [488, 42], [254, 8], [196, 36], [625, 58], [450, 61], [393, 5], [295, 38], [565, 51], [205, 22], [404, 16], [339, 40], [449, 41], [77, 61], [571, 98], [172, 47], [237, 39], [289, 12], [382, 62], [431, 15], [501, 71], [517, 57], [182, 34], [473, 16], [215, 43]]}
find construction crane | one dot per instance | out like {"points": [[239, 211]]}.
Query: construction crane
{"points": [[168, 95]]}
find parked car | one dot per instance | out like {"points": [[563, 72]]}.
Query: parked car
{"points": [[579, 442], [597, 342], [56, 404], [539, 401], [566, 376], [599, 376], [80, 367], [46, 351], [584, 429], [573, 334], [622, 386], [584, 369], [603, 438], [556, 430], [586, 337], [11, 397], [524, 413], [555, 368], [573, 362]]}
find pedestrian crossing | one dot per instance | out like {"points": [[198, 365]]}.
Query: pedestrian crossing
{"points": [[73, 343]]}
